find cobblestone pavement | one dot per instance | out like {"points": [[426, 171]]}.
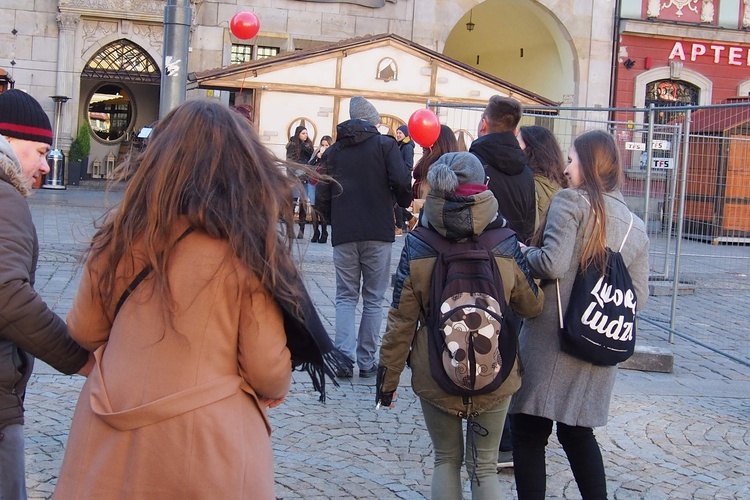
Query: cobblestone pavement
{"points": [[678, 435]]}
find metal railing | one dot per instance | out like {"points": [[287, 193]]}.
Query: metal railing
{"points": [[687, 175]]}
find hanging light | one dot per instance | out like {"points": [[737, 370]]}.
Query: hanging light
{"points": [[470, 25]]}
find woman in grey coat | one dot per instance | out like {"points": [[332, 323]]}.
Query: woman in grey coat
{"points": [[558, 387]]}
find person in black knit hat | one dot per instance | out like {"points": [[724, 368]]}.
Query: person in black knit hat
{"points": [[28, 328]]}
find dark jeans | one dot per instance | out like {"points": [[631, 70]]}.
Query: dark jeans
{"points": [[530, 435], [402, 216], [506, 442]]}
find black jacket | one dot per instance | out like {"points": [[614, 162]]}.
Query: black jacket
{"points": [[28, 328], [369, 173], [511, 180], [407, 153]]}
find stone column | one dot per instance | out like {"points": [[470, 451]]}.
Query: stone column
{"points": [[65, 85]]}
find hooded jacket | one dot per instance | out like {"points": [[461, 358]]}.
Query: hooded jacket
{"points": [[511, 180], [407, 152], [369, 173], [406, 333], [28, 328]]}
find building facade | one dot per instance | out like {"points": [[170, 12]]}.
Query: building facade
{"points": [[682, 52], [107, 55]]}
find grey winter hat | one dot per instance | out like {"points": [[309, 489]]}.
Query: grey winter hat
{"points": [[453, 169], [360, 108]]}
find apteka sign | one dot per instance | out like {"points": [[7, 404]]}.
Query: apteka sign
{"points": [[733, 55]]}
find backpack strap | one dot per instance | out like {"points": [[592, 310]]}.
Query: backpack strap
{"points": [[432, 238], [141, 276], [488, 239], [630, 226]]}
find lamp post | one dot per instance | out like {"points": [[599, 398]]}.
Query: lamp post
{"points": [[174, 67], [55, 179]]}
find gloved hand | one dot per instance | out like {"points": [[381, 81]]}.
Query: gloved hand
{"points": [[382, 398]]}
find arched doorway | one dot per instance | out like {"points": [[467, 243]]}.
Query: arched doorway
{"points": [[519, 41], [119, 96]]}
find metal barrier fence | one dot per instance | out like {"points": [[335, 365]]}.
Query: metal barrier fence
{"points": [[687, 175]]}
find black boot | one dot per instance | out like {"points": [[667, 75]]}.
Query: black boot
{"points": [[316, 234], [301, 233], [323, 234]]}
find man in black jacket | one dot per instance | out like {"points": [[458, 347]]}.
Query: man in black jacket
{"points": [[511, 180], [369, 173], [512, 183], [28, 328]]}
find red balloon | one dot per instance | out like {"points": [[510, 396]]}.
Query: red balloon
{"points": [[244, 25], [424, 127]]}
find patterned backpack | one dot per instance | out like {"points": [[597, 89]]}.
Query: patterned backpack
{"points": [[472, 347]]}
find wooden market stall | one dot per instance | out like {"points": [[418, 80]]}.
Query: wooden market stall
{"points": [[717, 207]]}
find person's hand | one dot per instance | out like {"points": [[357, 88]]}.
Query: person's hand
{"points": [[521, 245], [271, 403], [86, 369]]}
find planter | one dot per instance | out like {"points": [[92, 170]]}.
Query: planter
{"points": [[74, 173]]}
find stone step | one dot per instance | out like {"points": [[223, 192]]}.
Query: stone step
{"points": [[650, 359]]}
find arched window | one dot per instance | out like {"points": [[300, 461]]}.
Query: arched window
{"points": [[666, 93], [110, 112], [122, 60]]}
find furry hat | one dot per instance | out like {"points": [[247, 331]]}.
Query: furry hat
{"points": [[22, 117], [360, 108], [453, 169]]}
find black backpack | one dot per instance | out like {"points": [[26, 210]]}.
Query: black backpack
{"points": [[599, 323], [472, 343]]}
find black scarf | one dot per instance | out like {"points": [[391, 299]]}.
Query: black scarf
{"points": [[309, 342]]}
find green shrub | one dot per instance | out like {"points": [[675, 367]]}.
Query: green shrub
{"points": [[81, 145]]}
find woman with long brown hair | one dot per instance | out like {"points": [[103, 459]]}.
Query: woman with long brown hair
{"points": [[446, 143], [545, 159], [192, 304], [582, 222], [299, 149]]}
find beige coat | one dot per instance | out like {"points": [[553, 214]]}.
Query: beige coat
{"points": [[170, 410]]}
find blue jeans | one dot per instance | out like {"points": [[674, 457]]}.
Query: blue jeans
{"points": [[12, 463], [367, 263], [447, 435]]}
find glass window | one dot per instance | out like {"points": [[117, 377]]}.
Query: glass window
{"points": [[265, 52], [241, 54], [125, 61], [110, 112]]}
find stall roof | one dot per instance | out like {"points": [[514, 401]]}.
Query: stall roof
{"points": [[230, 77], [722, 118]]}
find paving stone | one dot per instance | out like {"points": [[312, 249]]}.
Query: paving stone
{"points": [[679, 435]]}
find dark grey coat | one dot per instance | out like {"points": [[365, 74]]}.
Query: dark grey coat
{"points": [[556, 385]]}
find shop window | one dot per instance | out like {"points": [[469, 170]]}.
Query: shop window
{"points": [[668, 93], [110, 112]]}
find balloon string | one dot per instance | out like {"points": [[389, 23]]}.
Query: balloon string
{"points": [[243, 81]]}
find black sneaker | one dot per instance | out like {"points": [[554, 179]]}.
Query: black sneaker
{"points": [[344, 373], [368, 373]]}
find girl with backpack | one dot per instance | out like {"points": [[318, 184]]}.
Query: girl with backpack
{"points": [[582, 221], [458, 209]]}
